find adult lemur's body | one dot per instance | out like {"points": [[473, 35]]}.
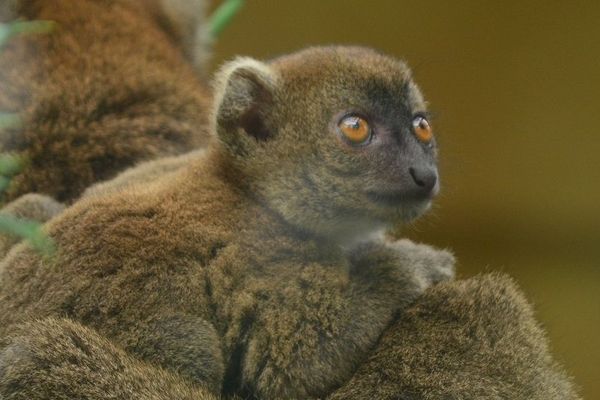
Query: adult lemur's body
{"points": [[108, 87]]}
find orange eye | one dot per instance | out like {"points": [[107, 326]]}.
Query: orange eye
{"points": [[422, 129], [355, 129]]}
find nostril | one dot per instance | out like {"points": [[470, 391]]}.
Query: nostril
{"points": [[417, 180], [425, 178]]}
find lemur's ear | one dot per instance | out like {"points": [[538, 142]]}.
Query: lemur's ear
{"points": [[9, 10], [244, 94], [185, 22]]}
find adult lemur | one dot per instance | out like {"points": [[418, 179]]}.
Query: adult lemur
{"points": [[111, 85]]}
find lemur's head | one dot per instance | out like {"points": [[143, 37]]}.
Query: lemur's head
{"points": [[335, 139]]}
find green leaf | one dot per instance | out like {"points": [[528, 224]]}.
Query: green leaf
{"points": [[9, 120], [11, 29], [28, 230], [10, 164], [223, 16], [4, 182]]}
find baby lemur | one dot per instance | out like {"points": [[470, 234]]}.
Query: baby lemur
{"points": [[257, 269]]}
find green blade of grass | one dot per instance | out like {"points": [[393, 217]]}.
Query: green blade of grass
{"points": [[223, 16], [28, 230], [10, 164], [9, 120], [9, 30], [4, 183]]}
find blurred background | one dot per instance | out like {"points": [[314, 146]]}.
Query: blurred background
{"points": [[515, 90]]}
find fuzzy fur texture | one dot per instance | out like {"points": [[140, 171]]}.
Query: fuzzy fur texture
{"points": [[41, 208], [201, 273], [60, 359], [186, 21], [109, 87], [475, 339], [144, 173], [236, 272]]}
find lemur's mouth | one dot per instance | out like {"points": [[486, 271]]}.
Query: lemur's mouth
{"points": [[408, 206], [397, 198], [387, 198]]}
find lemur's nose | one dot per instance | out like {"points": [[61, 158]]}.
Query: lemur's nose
{"points": [[426, 179]]}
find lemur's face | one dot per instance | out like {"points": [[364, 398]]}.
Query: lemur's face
{"points": [[346, 144]]}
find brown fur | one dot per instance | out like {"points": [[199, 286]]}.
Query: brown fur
{"points": [[210, 272], [185, 21], [46, 358], [475, 339], [230, 270], [109, 87], [144, 173], [41, 208]]}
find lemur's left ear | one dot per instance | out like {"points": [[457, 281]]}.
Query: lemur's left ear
{"points": [[185, 22], [9, 10], [244, 94]]}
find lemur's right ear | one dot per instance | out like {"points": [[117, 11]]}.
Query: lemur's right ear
{"points": [[244, 94]]}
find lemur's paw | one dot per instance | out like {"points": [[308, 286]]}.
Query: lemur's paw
{"points": [[430, 265]]}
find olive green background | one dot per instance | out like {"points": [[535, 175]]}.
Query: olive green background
{"points": [[515, 90]]}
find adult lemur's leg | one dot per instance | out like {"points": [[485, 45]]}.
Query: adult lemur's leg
{"points": [[60, 359]]}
